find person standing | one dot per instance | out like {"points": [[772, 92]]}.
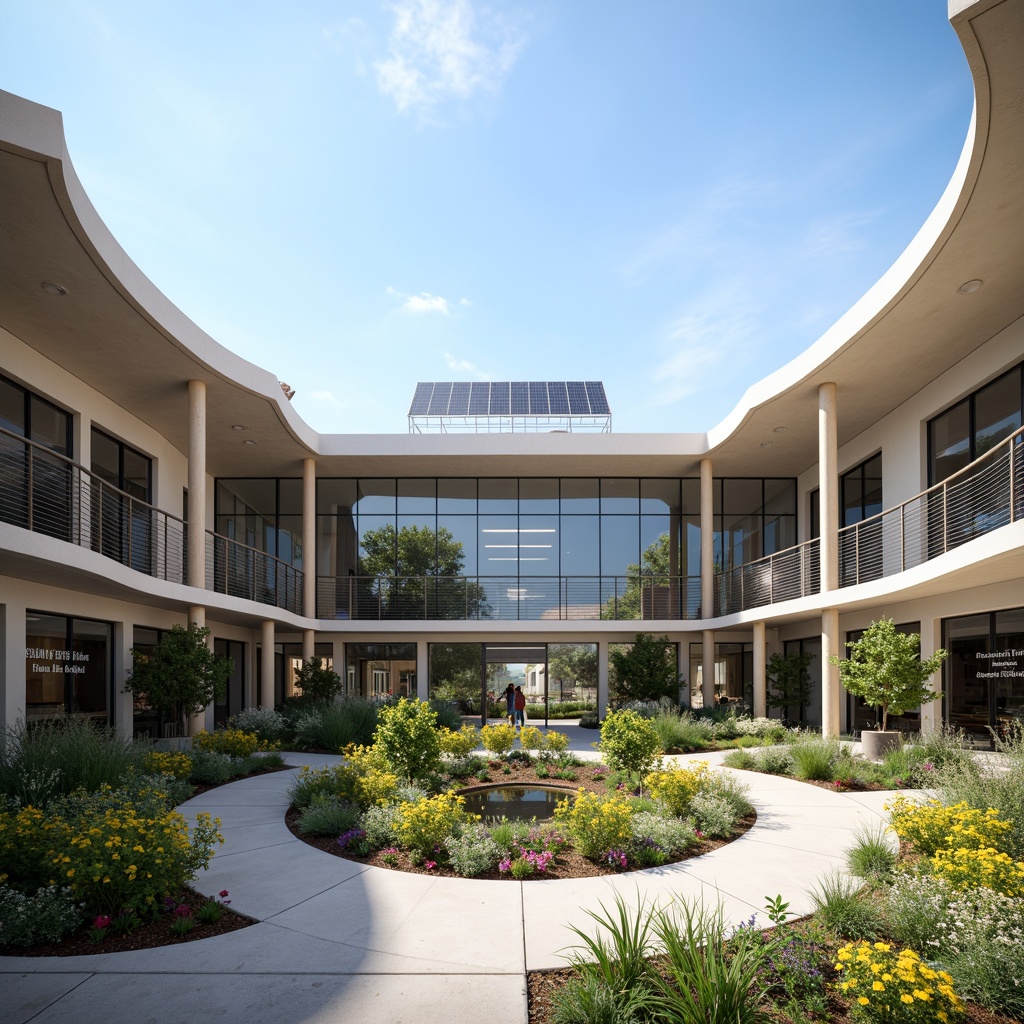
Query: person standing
{"points": [[510, 703], [520, 706]]}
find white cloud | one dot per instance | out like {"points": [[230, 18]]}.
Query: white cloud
{"points": [[441, 50], [426, 303], [465, 366], [326, 397]]}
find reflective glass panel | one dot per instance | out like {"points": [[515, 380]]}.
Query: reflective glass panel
{"points": [[499, 545], [580, 539], [50, 425], [456, 496], [538, 495], [417, 496], [620, 496], [997, 412], [376, 497], [950, 442], [619, 544], [538, 545], [12, 407], [335, 495], [579, 495], [498, 496], [459, 533], [289, 496], [659, 495]]}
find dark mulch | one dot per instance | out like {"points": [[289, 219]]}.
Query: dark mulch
{"points": [[152, 933], [567, 865]]}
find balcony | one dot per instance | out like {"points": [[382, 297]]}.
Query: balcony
{"points": [[508, 599], [47, 493], [982, 497]]}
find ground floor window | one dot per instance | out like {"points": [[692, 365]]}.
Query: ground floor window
{"points": [[861, 715], [984, 673], [234, 694], [287, 662], [381, 670], [734, 674], [68, 667], [808, 714]]}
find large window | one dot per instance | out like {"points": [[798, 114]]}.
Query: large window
{"points": [[121, 513], [753, 517], [974, 425], [262, 513], [68, 667], [32, 417]]}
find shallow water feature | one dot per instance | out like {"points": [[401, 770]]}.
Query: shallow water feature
{"points": [[517, 801]]}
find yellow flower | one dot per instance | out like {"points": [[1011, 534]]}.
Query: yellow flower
{"points": [[877, 986], [863, 1000], [906, 998]]}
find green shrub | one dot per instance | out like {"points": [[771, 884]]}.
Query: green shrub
{"points": [[233, 742], [379, 825], [743, 760], [268, 724], [913, 908], [1000, 787], [44, 916], [676, 787], [774, 761], [426, 824], [815, 759], [589, 999], [407, 738], [317, 682], [460, 742], [334, 726], [872, 856], [471, 850], [448, 716], [498, 739], [629, 743], [328, 817], [311, 784], [713, 815], [210, 768], [55, 757], [841, 906], [672, 835], [596, 824], [589, 720], [681, 733]]}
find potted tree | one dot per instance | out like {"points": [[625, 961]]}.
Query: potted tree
{"points": [[884, 667], [181, 676]]}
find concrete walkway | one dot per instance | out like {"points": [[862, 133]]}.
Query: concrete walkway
{"points": [[339, 941]]}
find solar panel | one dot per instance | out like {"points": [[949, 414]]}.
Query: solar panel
{"points": [[554, 398], [500, 397], [520, 398], [579, 404], [598, 400], [440, 398], [421, 400], [480, 398], [459, 404], [558, 397]]}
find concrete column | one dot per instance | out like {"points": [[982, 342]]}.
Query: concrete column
{"points": [[197, 484], [204, 720], [760, 681], [830, 688], [707, 687], [932, 715], [308, 644], [338, 660], [12, 663], [828, 487], [422, 670], [602, 679], [124, 703], [683, 673], [267, 699], [308, 541], [707, 541]]}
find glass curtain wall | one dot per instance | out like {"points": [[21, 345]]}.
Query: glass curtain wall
{"points": [[381, 670], [120, 514], [753, 517], [734, 675]]}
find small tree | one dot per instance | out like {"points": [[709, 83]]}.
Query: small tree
{"points": [[646, 670], [408, 737], [630, 744], [316, 681], [789, 682], [181, 676], [884, 667]]}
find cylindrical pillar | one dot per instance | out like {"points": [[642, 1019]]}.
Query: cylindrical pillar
{"points": [[707, 541], [267, 695], [196, 530], [830, 688], [760, 680], [931, 641], [828, 487], [707, 683], [308, 644], [204, 720], [602, 679], [422, 671]]}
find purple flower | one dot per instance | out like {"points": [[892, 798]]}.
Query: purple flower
{"points": [[505, 865], [430, 864], [223, 893], [350, 836], [101, 922]]}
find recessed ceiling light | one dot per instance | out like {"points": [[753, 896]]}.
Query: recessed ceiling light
{"points": [[781, 430], [969, 286], [767, 444], [52, 288], [248, 440], [238, 426]]}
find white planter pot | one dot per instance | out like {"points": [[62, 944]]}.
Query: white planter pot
{"points": [[875, 744]]}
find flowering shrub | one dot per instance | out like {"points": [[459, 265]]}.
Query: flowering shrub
{"points": [[555, 742], [407, 738], [676, 787], [472, 851], [653, 831], [233, 742], [461, 743], [498, 739], [630, 743], [45, 916], [267, 723], [531, 738], [931, 827], [354, 841], [595, 824], [168, 762], [968, 869], [889, 986], [424, 825]]}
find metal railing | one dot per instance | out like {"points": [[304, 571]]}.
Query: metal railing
{"points": [[980, 498], [239, 570], [48, 493], [508, 598]]}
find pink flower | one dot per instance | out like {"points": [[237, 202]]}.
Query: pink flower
{"points": [[430, 864], [182, 911], [223, 893], [101, 922], [505, 865]]}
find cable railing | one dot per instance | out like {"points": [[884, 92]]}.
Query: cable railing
{"points": [[239, 570], [47, 493], [980, 498], [508, 598]]}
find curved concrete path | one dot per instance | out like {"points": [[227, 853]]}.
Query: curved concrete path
{"points": [[339, 941]]}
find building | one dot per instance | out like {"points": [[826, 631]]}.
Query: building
{"points": [[148, 476]]}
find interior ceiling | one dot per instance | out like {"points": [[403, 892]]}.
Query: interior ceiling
{"points": [[106, 338]]}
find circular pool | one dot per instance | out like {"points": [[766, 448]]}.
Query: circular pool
{"points": [[515, 801]]}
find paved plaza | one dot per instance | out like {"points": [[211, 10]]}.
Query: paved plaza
{"points": [[340, 941]]}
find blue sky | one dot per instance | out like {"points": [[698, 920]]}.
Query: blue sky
{"points": [[670, 196]]}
